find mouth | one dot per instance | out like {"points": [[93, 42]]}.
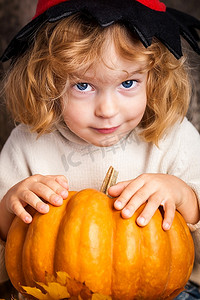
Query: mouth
{"points": [[106, 130]]}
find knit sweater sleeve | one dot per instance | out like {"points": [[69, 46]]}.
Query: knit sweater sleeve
{"points": [[187, 167], [13, 168], [14, 165]]}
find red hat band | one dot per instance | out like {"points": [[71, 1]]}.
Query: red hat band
{"points": [[43, 5], [155, 4]]}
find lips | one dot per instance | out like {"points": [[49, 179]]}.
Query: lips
{"points": [[107, 130]]}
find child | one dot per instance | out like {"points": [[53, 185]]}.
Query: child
{"points": [[95, 84]]}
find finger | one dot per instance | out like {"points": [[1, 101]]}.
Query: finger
{"points": [[128, 194], [149, 210], [116, 190], [139, 198], [43, 191], [62, 180], [56, 183], [169, 209], [17, 208], [51, 182], [33, 200]]}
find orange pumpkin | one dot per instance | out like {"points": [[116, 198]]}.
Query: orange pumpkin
{"points": [[89, 240]]}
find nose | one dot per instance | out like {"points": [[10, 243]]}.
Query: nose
{"points": [[106, 105]]}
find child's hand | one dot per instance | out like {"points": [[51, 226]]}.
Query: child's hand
{"points": [[33, 190], [154, 190]]}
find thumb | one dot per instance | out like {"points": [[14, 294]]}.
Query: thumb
{"points": [[117, 189]]}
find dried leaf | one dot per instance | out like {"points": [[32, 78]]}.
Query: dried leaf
{"points": [[55, 288], [35, 292], [62, 278], [60, 286], [49, 278]]}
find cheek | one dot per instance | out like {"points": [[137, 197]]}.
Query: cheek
{"points": [[74, 114], [138, 107]]}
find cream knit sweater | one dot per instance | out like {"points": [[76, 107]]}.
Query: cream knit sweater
{"points": [[61, 152]]}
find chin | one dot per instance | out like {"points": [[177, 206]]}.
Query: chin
{"points": [[101, 144]]}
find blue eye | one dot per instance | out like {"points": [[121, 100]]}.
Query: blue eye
{"points": [[82, 86], [129, 84]]}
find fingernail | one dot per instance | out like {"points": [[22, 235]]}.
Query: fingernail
{"points": [[27, 219], [141, 221], [57, 200], [126, 212], [44, 207], [65, 184], [64, 194], [166, 226], [118, 204]]}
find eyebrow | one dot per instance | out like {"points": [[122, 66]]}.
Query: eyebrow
{"points": [[85, 78], [139, 71], [133, 73]]}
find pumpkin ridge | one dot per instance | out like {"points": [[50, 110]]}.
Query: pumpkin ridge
{"points": [[170, 267], [153, 252], [113, 248], [15, 238], [189, 245], [87, 214], [178, 236], [62, 260], [71, 194], [126, 266], [78, 248], [27, 257], [44, 227], [141, 241], [79, 265], [101, 202], [165, 294], [84, 217]]}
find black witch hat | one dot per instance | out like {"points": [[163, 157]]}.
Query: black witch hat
{"points": [[147, 18]]}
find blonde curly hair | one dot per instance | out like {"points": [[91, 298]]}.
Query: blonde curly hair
{"points": [[37, 81]]}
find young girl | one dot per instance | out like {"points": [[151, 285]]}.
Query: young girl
{"points": [[95, 84]]}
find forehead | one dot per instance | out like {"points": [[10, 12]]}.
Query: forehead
{"points": [[111, 66]]}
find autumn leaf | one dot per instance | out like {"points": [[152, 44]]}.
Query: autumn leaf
{"points": [[55, 289], [60, 287], [61, 277], [35, 292]]}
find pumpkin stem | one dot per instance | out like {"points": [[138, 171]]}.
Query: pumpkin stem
{"points": [[109, 180]]}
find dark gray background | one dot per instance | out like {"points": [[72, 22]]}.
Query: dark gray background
{"points": [[14, 14]]}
